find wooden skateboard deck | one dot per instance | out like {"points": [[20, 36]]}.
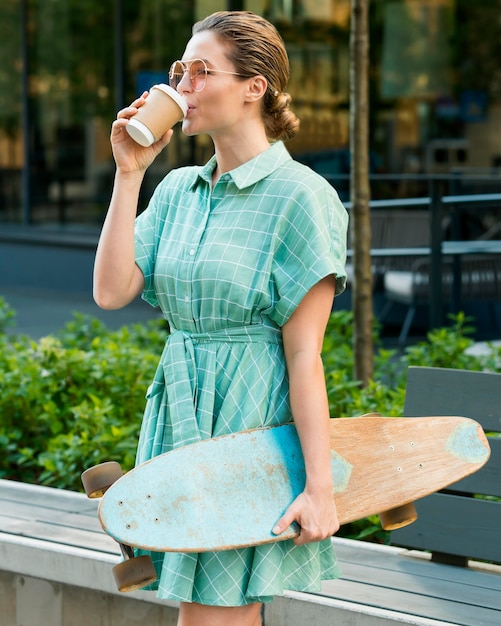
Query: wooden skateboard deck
{"points": [[229, 491]]}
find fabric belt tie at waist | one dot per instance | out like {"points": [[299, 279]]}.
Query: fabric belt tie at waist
{"points": [[238, 334], [180, 374]]}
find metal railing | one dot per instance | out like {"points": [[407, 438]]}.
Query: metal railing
{"points": [[439, 206]]}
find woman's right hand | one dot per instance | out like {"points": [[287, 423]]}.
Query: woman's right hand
{"points": [[130, 156]]}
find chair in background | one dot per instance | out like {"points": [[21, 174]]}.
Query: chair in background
{"points": [[480, 281]]}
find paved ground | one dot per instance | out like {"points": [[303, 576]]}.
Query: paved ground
{"points": [[41, 312]]}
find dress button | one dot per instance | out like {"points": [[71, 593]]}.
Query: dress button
{"points": [[192, 252], [186, 298]]}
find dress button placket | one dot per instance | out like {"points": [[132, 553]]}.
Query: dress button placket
{"points": [[192, 252]]}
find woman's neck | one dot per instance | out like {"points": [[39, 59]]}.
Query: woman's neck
{"points": [[235, 150]]}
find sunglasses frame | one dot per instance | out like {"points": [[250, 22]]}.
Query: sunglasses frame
{"points": [[175, 78]]}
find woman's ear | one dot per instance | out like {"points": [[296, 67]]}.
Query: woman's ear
{"points": [[256, 88]]}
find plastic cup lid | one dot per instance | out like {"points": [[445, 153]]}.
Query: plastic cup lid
{"points": [[140, 133]]}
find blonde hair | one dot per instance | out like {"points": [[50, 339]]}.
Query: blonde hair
{"points": [[256, 48]]}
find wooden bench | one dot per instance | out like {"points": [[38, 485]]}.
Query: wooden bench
{"points": [[55, 561], [449, 583]]}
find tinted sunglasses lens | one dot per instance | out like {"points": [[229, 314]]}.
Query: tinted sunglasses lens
{"points": [[198, 74], [176, 74]]}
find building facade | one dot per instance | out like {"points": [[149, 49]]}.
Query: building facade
{"points": [[67, 66]]}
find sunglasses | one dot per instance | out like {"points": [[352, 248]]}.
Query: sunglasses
{"points": [[197, 72]]}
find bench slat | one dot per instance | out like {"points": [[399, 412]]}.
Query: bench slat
{"points": [[381, 558], [475, 394], [387, 578], [59, 534], [418, 581], [48, 497], [53, 515], [487, 481], [413, 603]]}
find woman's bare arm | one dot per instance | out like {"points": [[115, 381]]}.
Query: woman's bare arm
{"points": [[314, 510], [117, 278]]}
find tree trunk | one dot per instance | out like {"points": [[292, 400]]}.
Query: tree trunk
{"points": [[360, 192]]}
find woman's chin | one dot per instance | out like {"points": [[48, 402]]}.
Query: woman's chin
{"points": [[189, 128]]}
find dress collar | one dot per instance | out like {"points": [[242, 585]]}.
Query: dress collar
{"points": [[252, 171]]}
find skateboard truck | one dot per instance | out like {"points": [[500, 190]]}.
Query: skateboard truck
{"points": [[134, 572], [398, 517]]}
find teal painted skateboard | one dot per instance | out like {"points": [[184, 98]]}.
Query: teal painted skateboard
{"points": [[229, 492]]}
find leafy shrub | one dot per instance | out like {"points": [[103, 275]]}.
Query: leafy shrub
{"points": [[72, 401], [7, 316]]}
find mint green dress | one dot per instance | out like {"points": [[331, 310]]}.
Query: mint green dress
{"points": [[228, 266]]}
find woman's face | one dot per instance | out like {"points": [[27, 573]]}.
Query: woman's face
{"points": [[220, 107]]}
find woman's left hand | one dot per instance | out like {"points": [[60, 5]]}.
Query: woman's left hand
{"points": [[315, 513]]}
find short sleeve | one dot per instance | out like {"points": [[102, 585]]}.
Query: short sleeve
{"points": [[310, 245], [146, 242]]}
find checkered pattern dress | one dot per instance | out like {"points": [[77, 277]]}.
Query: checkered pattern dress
{"points": [[228, 266]]}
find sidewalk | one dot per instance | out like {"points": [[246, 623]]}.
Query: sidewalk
{"points": [[43, 312]]}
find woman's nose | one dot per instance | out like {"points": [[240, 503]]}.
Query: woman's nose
{"points": [[185, 82]]}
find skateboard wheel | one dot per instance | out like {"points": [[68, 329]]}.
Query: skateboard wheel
{"points": [[96, 480], [134, 573], [398, 517]]}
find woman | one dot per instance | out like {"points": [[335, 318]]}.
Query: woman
{"points": [[244, 256]]}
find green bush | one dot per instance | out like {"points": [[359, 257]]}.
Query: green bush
{"points": [[385, 394], [75, 399], [7, 316]]}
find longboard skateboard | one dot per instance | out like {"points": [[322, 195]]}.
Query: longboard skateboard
{"points": [[230, 491]]}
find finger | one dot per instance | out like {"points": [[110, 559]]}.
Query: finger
{"points": [[288, 519], [307, 536], [316, 533], [131, 110], [301, 539], [127, 113], [140, 100], [166, 137], [118, 129]]}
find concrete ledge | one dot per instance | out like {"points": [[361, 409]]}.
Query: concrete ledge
{"points": [[298, 609], [43, 583], [26, 601], [67, 565]]}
